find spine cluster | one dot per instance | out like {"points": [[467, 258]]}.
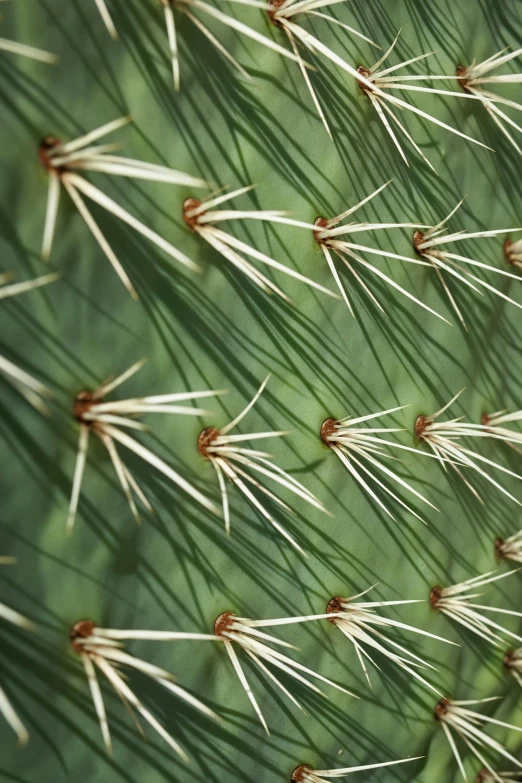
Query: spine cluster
{"points": [[371, 446]]}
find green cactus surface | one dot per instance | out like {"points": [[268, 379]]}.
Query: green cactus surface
{"points": [[215, 330]]}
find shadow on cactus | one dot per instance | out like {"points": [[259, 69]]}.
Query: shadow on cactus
{"points": [[250, 575]]}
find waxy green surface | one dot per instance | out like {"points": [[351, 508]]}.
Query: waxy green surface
{"points": [[179, 570]]}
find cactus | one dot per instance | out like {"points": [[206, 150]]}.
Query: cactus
{"points": [[217, 578]]}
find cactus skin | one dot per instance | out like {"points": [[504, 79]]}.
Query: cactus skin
{"points": [[178, 570]]}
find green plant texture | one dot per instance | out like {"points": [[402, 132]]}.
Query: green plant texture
{"points": [[217, 330]]}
